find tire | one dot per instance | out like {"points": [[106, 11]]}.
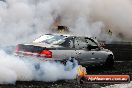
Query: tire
{"points": [[71, 59], [109, 62], [70, 63], [81, 80]]}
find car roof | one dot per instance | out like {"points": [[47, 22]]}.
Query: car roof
{"points": [[64, 35], [69, 35]]}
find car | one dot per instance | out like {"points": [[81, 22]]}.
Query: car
{"points": [[87, 51]]}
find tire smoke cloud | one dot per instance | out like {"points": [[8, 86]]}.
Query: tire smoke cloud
{"points": [[23, 20], [14, 69]]}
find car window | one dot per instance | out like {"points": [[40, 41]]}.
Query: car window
{"points": [[51, 39], [80, 43], [69, 42], [91, 42]]}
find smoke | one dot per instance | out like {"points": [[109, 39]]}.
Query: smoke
{"points": [[116, 15], [14, 69], [24, 20]]}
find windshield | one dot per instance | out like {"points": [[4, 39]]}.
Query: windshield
{"points": [[51, 39]]}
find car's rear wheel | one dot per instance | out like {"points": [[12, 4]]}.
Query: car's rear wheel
{"points": [[71, 59], [109, 62], [70, 63]]}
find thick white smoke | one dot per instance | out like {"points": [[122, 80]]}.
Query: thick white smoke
{"points": [[23, 20], [14, 69]]}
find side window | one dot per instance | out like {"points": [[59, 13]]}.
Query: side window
{"points": [[80, 43], [68, 43], [90, 42]]}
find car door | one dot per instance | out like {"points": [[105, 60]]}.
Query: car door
{"points": [[63, 53], [86, 55], [66, 50], [81, 53], [96, 52]]}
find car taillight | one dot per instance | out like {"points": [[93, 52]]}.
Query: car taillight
{"points": [[17, 49], [46, 53]]}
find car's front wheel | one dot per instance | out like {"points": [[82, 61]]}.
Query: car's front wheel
{"points": [[109, 62]]}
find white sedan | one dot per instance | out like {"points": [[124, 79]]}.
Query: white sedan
{"points": [[60, 47]]}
